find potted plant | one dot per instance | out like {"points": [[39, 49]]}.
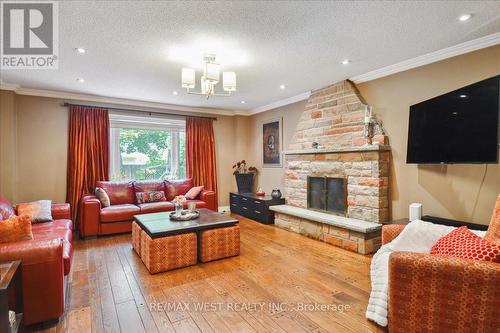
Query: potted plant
{"points": [[244, 177]]}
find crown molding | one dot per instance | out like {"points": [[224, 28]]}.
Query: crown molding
{"points": [[8, 86], [111, 100], [280, 103], [452, 51], [241, 113]]}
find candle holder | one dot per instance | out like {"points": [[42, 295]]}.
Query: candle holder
{"points": [[368, 131]]}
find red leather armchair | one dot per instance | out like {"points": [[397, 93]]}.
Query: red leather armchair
{"points": [[117, 218], [46, 262]]}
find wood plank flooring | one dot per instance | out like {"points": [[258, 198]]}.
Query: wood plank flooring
{"points": [[259, 291]]}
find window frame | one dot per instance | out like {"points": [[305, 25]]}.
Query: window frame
{"points": [[143, 121]]}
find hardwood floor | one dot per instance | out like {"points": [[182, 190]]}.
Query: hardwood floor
{"points": [[111, 290]]}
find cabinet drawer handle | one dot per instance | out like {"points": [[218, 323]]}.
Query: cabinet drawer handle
{"points": [[258, 212], [233, 204], [245, 208], [257, 202], [244, 199]]}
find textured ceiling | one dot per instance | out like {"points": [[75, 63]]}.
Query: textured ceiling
{"points": [[136, 49]]}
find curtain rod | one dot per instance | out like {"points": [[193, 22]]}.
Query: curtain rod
{"points": [[135, 110]]}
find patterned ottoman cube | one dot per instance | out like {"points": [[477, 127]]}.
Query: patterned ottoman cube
{"points": [[167, 253], [219, 243], [136, 238]]}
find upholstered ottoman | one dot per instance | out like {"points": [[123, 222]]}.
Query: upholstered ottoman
{"points": [[219, 243], [136, 238], [167, 253]]}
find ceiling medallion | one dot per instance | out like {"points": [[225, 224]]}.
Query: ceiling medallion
{"points": [[209, 79]]}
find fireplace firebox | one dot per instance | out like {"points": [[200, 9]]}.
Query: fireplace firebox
{"points": [[327, 194]]}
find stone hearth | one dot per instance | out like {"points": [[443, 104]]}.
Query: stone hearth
{"points": [[348, 233], [334, 119]]}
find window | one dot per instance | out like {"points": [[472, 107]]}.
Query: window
{"points": [[147, 147]]}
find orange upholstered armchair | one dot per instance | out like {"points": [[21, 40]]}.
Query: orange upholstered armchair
{"points": [[443, 294]]}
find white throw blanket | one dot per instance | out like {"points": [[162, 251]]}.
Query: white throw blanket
{"points": [[418, 236]]}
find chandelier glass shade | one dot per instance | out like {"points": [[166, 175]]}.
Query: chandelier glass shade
{"points": [[209, 79]]}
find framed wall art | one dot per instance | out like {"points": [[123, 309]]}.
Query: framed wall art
{"points": [[272, 140]]}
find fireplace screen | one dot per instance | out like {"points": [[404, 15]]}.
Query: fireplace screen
{"points": [[327, 194]]}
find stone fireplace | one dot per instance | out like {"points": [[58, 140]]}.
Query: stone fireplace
{"points": [[336, 185]]}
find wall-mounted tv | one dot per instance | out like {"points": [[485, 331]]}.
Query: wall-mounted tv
{"points": [[461, 126]]}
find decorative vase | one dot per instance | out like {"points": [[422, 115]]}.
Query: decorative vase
{"points": [[276, 194], [260, 192], [244, 181], [178, 209]]}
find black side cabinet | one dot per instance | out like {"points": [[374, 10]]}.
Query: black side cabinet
{"points": [[254, 207]]}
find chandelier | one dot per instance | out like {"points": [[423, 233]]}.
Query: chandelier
{"points": [[209, 79]]}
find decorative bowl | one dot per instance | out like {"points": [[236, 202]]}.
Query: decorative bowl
{"points": [[185, 215], [260, 193]]}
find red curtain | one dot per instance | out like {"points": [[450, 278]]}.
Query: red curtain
{"points": [[200, 152], [88, 152]]}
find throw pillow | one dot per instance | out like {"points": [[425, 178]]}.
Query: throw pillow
{"points": [[153, 196], [38, 211], [493, 233], [194, 192], [462, 243], [102, 196], [15, 229]]}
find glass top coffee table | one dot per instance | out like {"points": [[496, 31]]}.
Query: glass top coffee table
{"points": [[159, 224]]}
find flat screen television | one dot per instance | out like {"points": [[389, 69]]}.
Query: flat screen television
{"points": [[461, 126]]}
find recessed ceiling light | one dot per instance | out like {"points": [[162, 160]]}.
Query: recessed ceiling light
{"points": [[346, 62], [175, 92], [282, 86], [464, 17], [80, 50], [243, 102], [80, 80], [462, 96]]}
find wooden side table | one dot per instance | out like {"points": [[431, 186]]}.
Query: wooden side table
{"points": [[11, 282]]}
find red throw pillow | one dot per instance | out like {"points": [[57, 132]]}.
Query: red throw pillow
{"points": [[153, 196], [194, 192], [462, 243]]}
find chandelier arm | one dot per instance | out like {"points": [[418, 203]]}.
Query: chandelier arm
{"points": [[211, 94]]}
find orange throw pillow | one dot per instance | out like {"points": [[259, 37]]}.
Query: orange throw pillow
{"points": [[493, 233], [15, 229], [462, 243]]}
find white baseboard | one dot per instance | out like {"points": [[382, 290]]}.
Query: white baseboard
{"points": [[224, 209]]}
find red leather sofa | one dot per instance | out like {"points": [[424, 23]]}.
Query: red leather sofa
{"points": [[46, 262], [117, 218]]}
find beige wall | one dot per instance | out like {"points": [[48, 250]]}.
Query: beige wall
{"points": [[34, 165], [42, 148], [34, 147], [269, 178], [230, 146], [7, 143], [452, 191]]}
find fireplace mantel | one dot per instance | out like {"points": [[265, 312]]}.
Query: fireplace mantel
{"points": [[367, 148]]}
